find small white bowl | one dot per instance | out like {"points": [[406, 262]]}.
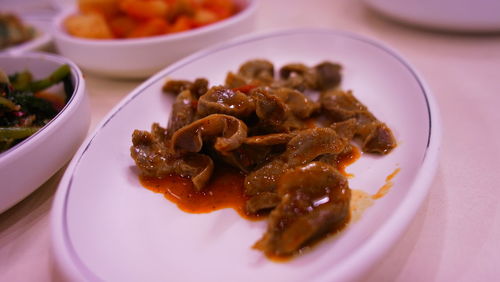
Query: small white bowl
{"points": [[27, 165], [142, 57]]}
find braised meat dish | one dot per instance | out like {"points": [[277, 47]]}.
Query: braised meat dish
{"points": [[266, 124]]}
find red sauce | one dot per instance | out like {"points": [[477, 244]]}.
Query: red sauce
{"points": [[225, 190], [346, 159], [387, 186], [245, 88]]}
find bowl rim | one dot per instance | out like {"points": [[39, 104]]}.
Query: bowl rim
{"points": [[249, 8], [77, 95]]}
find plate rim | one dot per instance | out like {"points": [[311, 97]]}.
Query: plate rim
{"points": [[72, 265]]}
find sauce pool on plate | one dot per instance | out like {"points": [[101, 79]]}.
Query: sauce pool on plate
{"points": [[225, 189]]}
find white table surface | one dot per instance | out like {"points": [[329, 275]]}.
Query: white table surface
{"points": [[456, 233]]}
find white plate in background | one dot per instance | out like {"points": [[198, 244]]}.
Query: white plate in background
{"points": [[106, 226], [451, 15]]}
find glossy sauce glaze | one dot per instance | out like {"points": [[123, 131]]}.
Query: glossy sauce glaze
{"points": [[387, 186], [225, 189]]}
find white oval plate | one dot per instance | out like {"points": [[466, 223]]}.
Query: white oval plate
{"points": [[106, 226]]}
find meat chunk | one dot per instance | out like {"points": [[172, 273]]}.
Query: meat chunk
{"points": [[345, 129], [197, 88], [314, 201], [257, 72], [303, 148], [375, 136], [325, 75], [183, 112], [380, 140], [269, 109], [298, 76], [227, 131], [197, 167], [247, 157], [265, 178], [150, 152], [308, 144], [299, 104], [273, 113], [328, 75], [234, 80], [269, 139], [260, 70], [222, 100], [154, 158], [262, 202]]}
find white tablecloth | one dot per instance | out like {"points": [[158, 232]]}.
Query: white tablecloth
{"points": [[455, 235]]}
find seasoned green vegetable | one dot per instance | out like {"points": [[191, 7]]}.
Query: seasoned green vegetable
{"points": [[25, 106], [56, 77], [16, 132], [9, 104], [21, 80]]}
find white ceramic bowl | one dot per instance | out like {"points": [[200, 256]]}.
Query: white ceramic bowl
{"points": [[453, 15], [139, 58], [27, 165]]}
